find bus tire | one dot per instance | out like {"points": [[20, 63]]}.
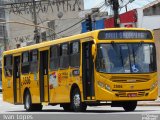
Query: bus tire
{"points": [[37, 107], [129, 106], [76, 102], [66, 107], [28, 102]]}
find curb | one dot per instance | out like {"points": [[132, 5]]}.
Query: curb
{"points": [[149, 104]]}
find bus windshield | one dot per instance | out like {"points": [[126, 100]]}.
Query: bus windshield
{"points": [[126, 58]]}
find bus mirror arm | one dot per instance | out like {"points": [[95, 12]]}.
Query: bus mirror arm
{"points": [[93, 51]]}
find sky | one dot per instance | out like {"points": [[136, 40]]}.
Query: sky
{"points": [[88, 4]]}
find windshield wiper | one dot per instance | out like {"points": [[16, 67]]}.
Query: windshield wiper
{"points": [[119, 55]]}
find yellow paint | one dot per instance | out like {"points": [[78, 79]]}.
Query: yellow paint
{"points": [[65, 78], [34, 87], [18, 91], [46, 88], [45, 103]]}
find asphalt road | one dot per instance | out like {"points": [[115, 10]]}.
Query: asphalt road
{"points": [[100, 112]]}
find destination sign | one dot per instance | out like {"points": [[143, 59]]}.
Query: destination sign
{"points": [[125, 34]]}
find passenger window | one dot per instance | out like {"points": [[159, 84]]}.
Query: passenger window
{"points": [[64, 56], [34, 61], [25, 63], [54, 57], [75, 54], [8, 65]]}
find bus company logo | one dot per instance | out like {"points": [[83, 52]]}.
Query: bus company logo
{"points": [[132, 86], [149, 117]]}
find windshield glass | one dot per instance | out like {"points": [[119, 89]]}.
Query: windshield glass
{"points": [[126, 58]]}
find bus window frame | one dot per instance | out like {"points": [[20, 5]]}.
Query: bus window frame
{"points": [[61, 55], [53, 58], [31, 61], [154, 55], [25, 63], [10, 66], [79, 52]]}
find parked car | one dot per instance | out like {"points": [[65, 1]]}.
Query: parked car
{"points": [[0, 86]]}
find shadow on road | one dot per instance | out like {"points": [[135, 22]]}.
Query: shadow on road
{"points": [[87, 111]]}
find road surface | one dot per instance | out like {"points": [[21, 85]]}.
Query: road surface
{"points": [[91, 113]]}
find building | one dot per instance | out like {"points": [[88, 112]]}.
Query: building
{"points": [[127, 19], [53, 16], [3, 34], [151, 15], [60, 27]]}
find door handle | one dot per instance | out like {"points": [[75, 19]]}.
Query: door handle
{"points": [[45, 72]]}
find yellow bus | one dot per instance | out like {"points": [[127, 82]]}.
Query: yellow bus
{"points": [[114, 67]]}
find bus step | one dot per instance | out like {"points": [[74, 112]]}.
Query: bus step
{"points": [[45, 103]]}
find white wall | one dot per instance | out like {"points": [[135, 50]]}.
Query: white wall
{"points": [[151, 22], [148, 22]]}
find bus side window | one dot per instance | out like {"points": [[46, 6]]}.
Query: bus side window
{"points": [[25, 63], [8, 65], [75, 54], [34, 61], [54, 57], [64, 56]]}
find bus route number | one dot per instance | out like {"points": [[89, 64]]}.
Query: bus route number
{"points": [[117, 86]]}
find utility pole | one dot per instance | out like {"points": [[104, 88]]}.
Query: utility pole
{"points": [[4, 38], [115, 4], [36, 33]]}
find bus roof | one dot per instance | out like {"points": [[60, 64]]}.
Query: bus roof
{"points": [[63, 40]]}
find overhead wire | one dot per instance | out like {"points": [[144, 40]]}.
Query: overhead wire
{"points": [[77, 22], [64, 29], [77, 28]]}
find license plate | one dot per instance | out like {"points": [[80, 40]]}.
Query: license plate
{"points": [[132, 94]]}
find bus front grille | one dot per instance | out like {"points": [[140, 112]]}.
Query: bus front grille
{"points": [[128, 79], [140, 93]]}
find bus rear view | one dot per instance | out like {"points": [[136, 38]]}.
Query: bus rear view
{"points": [[126, 69]]}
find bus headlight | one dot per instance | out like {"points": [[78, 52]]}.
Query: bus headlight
{"points": [[154, 85], [101, 84], [108, 87], [105, 86]]}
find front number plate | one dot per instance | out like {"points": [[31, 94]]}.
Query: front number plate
{"points": [[132, 94]]}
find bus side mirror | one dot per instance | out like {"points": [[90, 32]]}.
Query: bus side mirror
{"points": [[93, 51]]}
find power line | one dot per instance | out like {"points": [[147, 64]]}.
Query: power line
{"points": [[76, 29], [76, 23], [71, 26]]}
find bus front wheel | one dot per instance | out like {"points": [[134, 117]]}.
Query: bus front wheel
{"points": [[76, 103], [129, 106], [27, 102]]}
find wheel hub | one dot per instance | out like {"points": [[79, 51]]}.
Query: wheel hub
{"points": [[77, 100], [27, 102]]}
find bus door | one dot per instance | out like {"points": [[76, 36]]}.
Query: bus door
{"points": [[16, 80], [87, 71], [43, 75]]}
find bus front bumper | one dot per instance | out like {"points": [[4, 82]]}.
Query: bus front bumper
{"points": [[139, 95]]}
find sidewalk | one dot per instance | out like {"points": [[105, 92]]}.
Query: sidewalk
{"points": [[149, 103]]}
